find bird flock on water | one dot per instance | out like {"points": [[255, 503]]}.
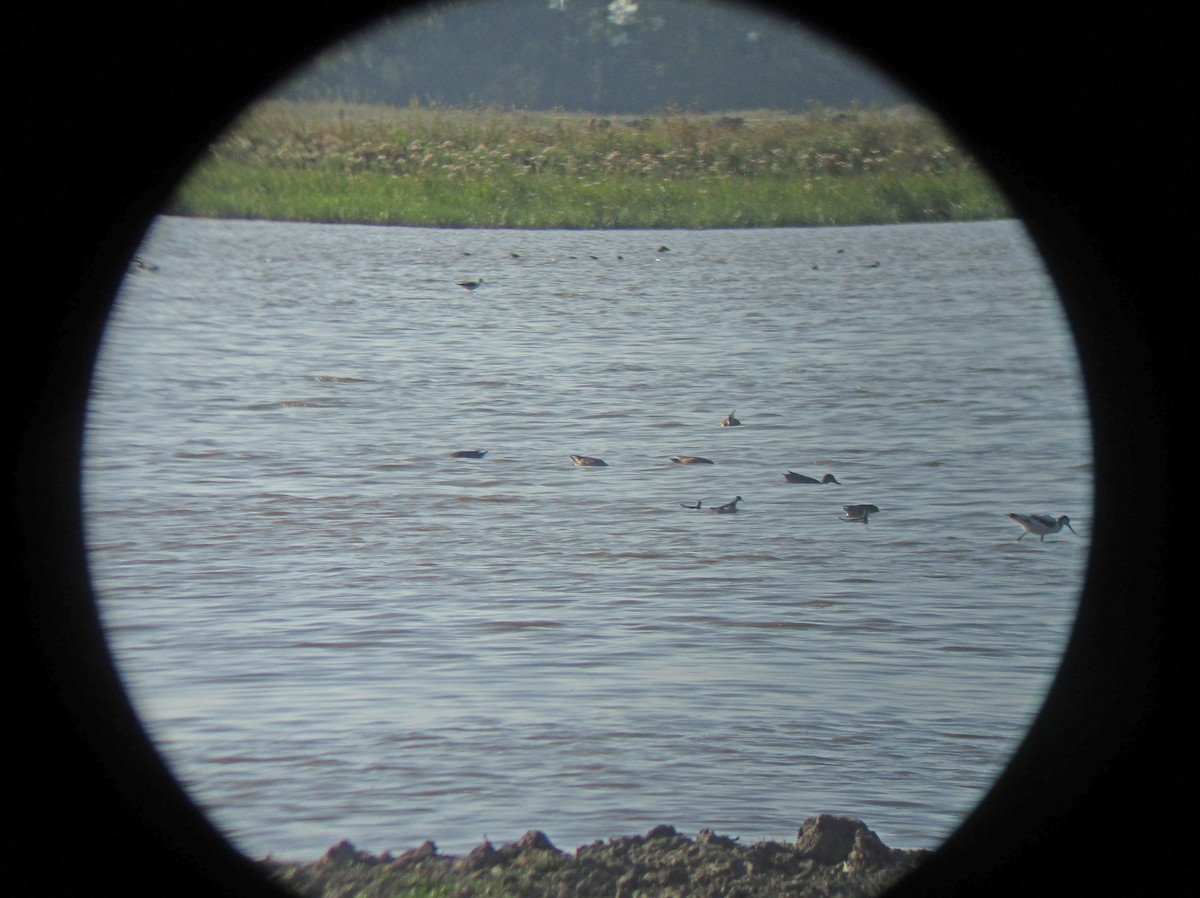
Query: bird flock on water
{"points": [[1041, 525], [859, 514]]}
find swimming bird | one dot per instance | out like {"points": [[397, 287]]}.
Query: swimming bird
{"points": [[695, 504], [471, 285], [469, 453], [727, 507], [586, 461], [691, 460], [859, 513], [1041, 524], [793, 477], [730, 421]]}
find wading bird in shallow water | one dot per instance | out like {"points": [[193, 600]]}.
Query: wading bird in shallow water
{"points": [[728, 507], [471, 285], [691, 460], [793, 477], [1041, 524], [586, 461], [859, 513], [469, 453], [730, 421]]}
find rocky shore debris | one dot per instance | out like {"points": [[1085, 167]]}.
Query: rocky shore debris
{"points": [[832, 856]]}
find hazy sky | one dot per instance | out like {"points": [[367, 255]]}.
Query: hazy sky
{"points": [[630, 56]]}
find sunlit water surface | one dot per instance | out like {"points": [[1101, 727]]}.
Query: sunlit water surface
{"points": [[334, 630]]}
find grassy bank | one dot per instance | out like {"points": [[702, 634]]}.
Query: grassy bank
{"points": [[485, 168]]}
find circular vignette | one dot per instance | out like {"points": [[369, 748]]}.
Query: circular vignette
{"points": [[106, 126]]}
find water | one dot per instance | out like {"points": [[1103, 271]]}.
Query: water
{"points": [[333, 630]]}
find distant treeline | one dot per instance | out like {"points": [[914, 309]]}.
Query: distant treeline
{"points": [[606, 57]]}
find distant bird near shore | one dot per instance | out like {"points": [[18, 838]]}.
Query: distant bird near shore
{"points": [[859, 513], [587, 461], [728, 507], [793, 477], [730, 421], [691, 460], [471, 285], [469, 453], [1041, 524]]}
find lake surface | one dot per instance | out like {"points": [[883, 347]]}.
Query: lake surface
{"points": [[334, 630]]}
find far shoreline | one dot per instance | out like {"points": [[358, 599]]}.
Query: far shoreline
{"points": [[485, 168], [512, 228]]}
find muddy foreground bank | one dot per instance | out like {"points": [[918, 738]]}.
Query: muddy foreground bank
{"points": [[832, 856]]}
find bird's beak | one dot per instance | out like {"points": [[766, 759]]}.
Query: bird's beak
{"points": [[1072, 529]]}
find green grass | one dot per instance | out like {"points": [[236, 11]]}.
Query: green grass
{"points": [[490, 169]]}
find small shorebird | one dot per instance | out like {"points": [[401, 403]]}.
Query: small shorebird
{"points": [[793, 477], [469, 453], [471, 285], [691, 460], [859, 513], [730, 421], [1041, 524], [586, 461], [727, 507], [695, 504]]}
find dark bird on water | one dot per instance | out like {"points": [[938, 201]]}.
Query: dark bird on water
{"points": [[728, 507], [469, 453], [695, 504], [793, 477], [471, 285], [859, 513], [730, 421], [587, 461], [691, 460]]}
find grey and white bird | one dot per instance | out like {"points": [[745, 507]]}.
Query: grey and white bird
{"points": [[1041, 524], [728, 507]]}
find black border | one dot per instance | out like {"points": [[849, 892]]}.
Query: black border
{"points": [[1084, 114]]}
